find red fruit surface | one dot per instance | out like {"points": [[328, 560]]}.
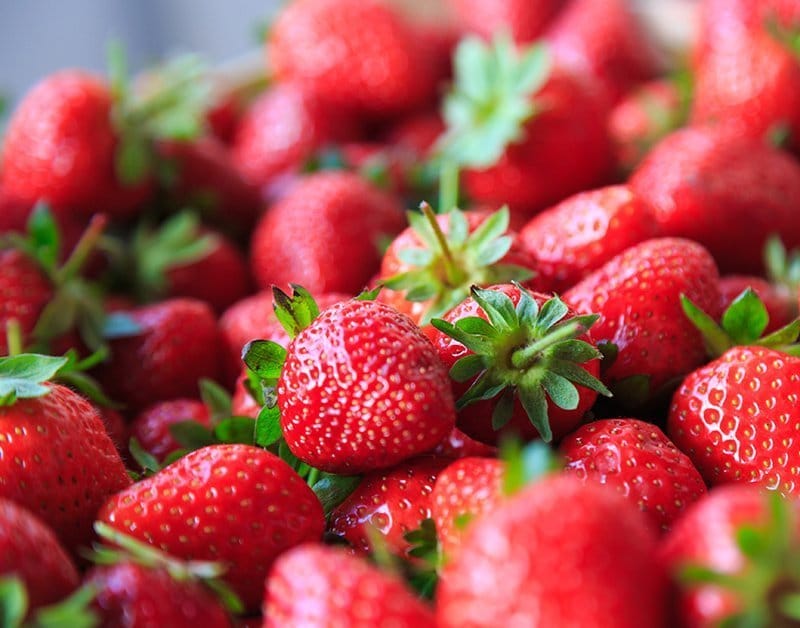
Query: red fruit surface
{"points": [[525, 20], [638, 461], [25, 291], [726, 192], [560, 553], [380, 393], [152, 425], [394, 502], [29, 550], [583, 232], [57, 461], [236, 504], [736, 418], [242, 402], [781, 304], [315, 585], [324, 234], [459, 445], [637, 295]]}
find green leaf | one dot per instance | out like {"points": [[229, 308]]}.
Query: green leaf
{"points": [[499, 308], [216, 399], [236, 429], [474, 342], [268, 426], [491, 229], [458, 228], [332, 490], [295, 312], [527, 307], [534, 401], [192, 435], [746, 318], [482, 389], [22, 376], [716, 339], [264, 357], [132, 159], [72, 612], [423, 230], [503, 410], [523, 465], [44, 237], [578, 375], [561, 391], [415, 257], [493, 251], [610, 352], [552, 311], [120, 325], [467, 367], [88, 387], [789, 605], [143, 458], [13, 601], [784, 336], [476, 326], [369, 295], [577, 351]]}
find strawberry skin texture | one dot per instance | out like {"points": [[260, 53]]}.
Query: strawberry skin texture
{"points": [[467, 488], [26, 291], [559, 553], [583, 232], [781, 304], [637, 295], [30, 551], [726, 192], [458, 445], [129, 594], [324, 234], [60, 145], [178, 345], [525, 20], [237, 504], [358, 54], [57, 460], [315, 585], [394, 502], [362, 388], [637, 460], [151, 426], [736, 418]]}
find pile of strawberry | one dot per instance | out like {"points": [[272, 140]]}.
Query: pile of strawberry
{"points": [[240, 386]]}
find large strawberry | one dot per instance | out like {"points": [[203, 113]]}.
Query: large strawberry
{"points": [[316, 586], [638, 461], [559, 553], [637, 294], [247, 507], [521, 363], [524, 19], [325, 234], [726, 192]]}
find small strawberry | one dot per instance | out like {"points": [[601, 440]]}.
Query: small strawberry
{"points": [[638, 461], [26, 291], [316, 586], [583, 232], [325, 234], [525, 20], [559, 553], [151, 427], [248, 508], [521, 363]]}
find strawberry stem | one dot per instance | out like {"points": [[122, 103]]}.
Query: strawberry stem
{"points": [[448, 186], [454, 275], [83, 248], [13, 337], [525, 357]]}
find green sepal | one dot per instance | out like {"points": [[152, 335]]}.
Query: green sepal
{"points": [[332, 490], [216, 399], [783, 267], [264, 358], [369, 294], [23, 376], [295, 312], [268, 426], [13, 601], [235, 430], [73, 612], [192, 435], [525, 464], [44, 237], [143, 458]]}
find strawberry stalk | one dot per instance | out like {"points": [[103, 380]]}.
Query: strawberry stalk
{"points": [[87, 243], [448, 186], [14, 337]]}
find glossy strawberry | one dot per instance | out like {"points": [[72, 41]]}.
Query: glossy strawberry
{"points": [[315, 586], [248, 506], [525, 20], [151, 427], [638, 461], [596, 566], [583, 232], [325, 234], [26, 291], [459, 445]]}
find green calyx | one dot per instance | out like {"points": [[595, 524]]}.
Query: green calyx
{"points": [[787, 35], [523, 352], [492, 99], [767, 588], [742, 324], [73, 611], [446, 266]]}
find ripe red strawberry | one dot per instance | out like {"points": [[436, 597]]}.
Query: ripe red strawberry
{"points": [[393, 502], [325, 234], [602, 40], [381, 395], [177, 344], [525, 20], [637, 294], [522, 364], [781, 304], [637, 460], [151, 427], [315, 585], [734, 418], [359, 54], [560, 553], [727, 193], [459, 445], [29, 550], [463, 491], [26, 291], [583, 232], [731, 557], [55, 456], [247, 507]]}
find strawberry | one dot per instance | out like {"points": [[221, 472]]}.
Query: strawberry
{"points": [[29, 550], [583, 232], [464, 490], [638, 461], [243, 403], [359, 54], [459, 445], [391, 503], [726, 192], [732, 558], [734, 418], [430, 267], [55, 456], [381, 395], [637, 295], [248, 508], [324, 234], [525, 20], [151, 427], [416, 134], [174, 343], [315, 586], [515, 123], [780, 303], [559, 553], [521, 363], [26, 291]]}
